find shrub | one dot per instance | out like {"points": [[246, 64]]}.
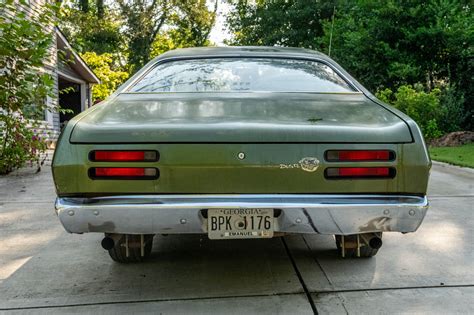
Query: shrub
{"points": [[421, 106], [24, 45], [454, 113]]}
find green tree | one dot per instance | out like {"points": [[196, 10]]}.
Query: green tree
{"points": [[24, 87], [401, 42], [134, 31], [182, 23], [295, 23], [105, 69], [83, 5], [189, 26], [100, 33], [192, 22], [144, 20]]}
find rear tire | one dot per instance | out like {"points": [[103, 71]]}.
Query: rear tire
{"points": [[119, 252], [365, 250]]}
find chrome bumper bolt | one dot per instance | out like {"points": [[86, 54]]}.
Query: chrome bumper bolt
{"points": [[298, 221], [182, 221], [70, 212], [96, 212], [411, 212]]}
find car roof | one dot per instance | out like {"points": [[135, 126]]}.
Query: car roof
{"points": [[242, 51]]}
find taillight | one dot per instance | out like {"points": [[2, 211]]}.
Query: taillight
{"points": [[359, 172], [359, 155], [123, 156], [123, 173]]}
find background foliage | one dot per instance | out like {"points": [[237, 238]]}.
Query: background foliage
{"points": [[423, 107], [110, 76]]}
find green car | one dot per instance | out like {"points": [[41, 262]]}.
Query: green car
{"points": [[236, 143]]}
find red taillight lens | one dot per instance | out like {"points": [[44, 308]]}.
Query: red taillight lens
{"points": [[123, 172], [124, 156], [360, 172], [359, 155]]}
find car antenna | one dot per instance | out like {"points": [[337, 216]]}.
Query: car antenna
{"points": [[332, 28]]}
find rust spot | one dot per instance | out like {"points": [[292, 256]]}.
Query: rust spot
{"points": [[376, 224]]}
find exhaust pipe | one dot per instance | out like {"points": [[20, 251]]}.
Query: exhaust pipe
{"points": [[372, 239], [375, 242], [110, 240]]}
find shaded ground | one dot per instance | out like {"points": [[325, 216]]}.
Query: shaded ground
{"points": [[45, 270]]}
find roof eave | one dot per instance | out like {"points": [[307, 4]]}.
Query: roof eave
{"points": [[76, 62]]}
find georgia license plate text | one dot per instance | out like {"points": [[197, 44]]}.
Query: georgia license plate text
{"points": [[240, 223]]}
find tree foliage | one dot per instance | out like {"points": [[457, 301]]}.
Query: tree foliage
{"points": [[134, 31], [24, 87], [94, 30], [293, 23], [402, 42], [192, 23], [423, 107], [189, 26], [105, 69], [143, 20], [182, 23]]}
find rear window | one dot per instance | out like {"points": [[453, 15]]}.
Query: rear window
{"points": [[242, 75]]}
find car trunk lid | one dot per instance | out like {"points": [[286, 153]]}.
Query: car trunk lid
{"points": [[241, 118]]}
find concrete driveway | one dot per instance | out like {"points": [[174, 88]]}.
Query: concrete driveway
{"points": [[45, 270]]}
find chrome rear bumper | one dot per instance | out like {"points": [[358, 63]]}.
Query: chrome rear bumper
{"points": [[177, 214]]}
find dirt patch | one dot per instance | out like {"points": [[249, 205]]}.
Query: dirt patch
{"points": [[453, 139]]}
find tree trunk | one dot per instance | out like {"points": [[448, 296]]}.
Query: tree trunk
{"points": [[84, 5], [100, 8]]}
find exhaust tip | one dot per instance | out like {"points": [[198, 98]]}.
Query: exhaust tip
{"points": [[375, 242], [107, 243]]}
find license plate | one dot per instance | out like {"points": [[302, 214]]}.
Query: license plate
{"points": [[239, 223]]}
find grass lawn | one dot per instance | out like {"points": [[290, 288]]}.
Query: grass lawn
{"points": [[462, 155]]}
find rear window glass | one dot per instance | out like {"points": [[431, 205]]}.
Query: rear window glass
{"points": [[242, 75]]}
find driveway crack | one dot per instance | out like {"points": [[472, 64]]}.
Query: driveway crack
{"points": [[300, 278]]}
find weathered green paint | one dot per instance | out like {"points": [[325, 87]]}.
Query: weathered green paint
{"points": [[241, 117], [200, 135]]}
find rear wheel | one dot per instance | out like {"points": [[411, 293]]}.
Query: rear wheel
{"points": [[369, 244], [134, 243]]}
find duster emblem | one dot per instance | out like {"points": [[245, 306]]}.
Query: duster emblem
{"points": [[309, 164]]}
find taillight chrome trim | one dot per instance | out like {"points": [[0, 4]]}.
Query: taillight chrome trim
{"points": [[337, 173], [148, 156], [128, 173], [377, 155]]}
